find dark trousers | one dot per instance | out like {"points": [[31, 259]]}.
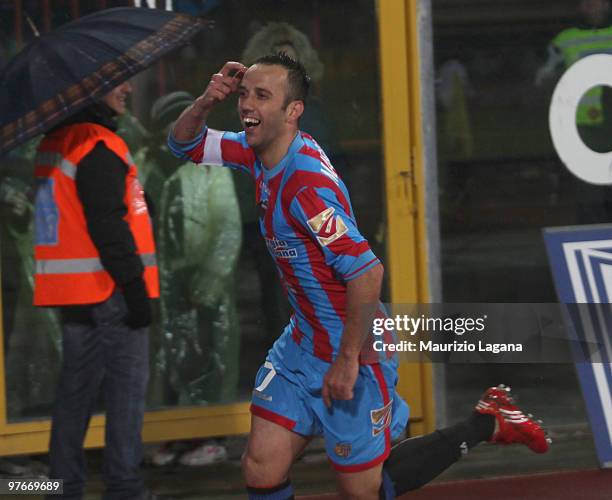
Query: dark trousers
{"points": [[101, 355]]}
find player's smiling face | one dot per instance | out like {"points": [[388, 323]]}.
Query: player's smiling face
{"points": [[261, 105]]}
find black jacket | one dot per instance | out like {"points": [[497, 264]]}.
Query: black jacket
{"points": [[100, 182]]}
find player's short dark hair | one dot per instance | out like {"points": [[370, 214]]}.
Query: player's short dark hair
{"points": [[297, 79]]}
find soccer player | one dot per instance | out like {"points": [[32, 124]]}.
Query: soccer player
{"points": [[319, 378]]}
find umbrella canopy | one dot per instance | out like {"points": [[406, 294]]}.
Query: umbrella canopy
{"points": [[65, 70]]}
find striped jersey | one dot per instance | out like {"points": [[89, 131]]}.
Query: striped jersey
{"points": [[309, 227]]}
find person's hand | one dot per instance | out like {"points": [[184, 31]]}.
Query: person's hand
{"points": [[138, 304], [18, 203], [12, 193], [221, 85], [191, 122], [340, 379]]}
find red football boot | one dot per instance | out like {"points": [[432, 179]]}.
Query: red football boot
{"points": [[513, 426]]}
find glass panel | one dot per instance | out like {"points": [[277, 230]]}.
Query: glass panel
{"points": [[221, 305], [501, 181], [31, 336]]}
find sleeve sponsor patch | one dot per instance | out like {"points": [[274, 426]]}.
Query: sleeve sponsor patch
{"points": [[327, 226]]}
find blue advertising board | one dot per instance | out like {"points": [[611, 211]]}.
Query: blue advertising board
{"points": [[581, 263]]}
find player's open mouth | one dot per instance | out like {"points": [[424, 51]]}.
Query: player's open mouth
{"points": [[250, 122]]}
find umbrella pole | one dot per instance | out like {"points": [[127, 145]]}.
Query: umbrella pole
{"points": [[18, 24], [74, 9], [46, 16], [161, 77]]}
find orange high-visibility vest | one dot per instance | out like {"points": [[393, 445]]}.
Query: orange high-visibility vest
{"points": [[68, 267]]}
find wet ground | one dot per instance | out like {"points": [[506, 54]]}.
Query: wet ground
{"points": [[475, 476]]}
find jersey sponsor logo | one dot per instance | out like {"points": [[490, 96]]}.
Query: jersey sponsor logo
{"points": [[381, 419], [343, 449], [280, 249], [327, 227]]}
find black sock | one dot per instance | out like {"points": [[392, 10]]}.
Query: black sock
{"points": [[416, 461], [476, 429]]}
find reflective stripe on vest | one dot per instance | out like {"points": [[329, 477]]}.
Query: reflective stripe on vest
{"points": [[588, 40], [57, 160], [575, 44], [78, 266]]}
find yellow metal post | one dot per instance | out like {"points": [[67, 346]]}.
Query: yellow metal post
{"points": [[404, 177], [418, 156]]}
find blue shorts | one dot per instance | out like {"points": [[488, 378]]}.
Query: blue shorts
{"points": [[358, 432]]}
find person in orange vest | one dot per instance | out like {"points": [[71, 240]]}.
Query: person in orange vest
{"points": [[95, 261]]}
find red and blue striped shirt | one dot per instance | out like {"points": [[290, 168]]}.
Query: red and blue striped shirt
{"points": [[309, 227]]}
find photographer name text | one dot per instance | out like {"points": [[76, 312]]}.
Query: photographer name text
{"points": [[422, 326]]}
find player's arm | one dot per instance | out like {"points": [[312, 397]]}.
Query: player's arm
{"points": [[190, 138], [324, 213], [362, 294], [192, 121]]}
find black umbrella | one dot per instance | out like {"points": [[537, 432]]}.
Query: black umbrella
{"points": [[64, 70]]}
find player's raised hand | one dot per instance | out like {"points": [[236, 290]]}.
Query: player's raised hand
{"points": [[221, 85]]}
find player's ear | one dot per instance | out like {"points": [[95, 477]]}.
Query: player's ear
{"points": [[295, 109]]}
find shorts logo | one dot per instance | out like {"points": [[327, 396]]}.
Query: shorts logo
{"points": [[327, 227], [343, 449], [381, 419]]}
